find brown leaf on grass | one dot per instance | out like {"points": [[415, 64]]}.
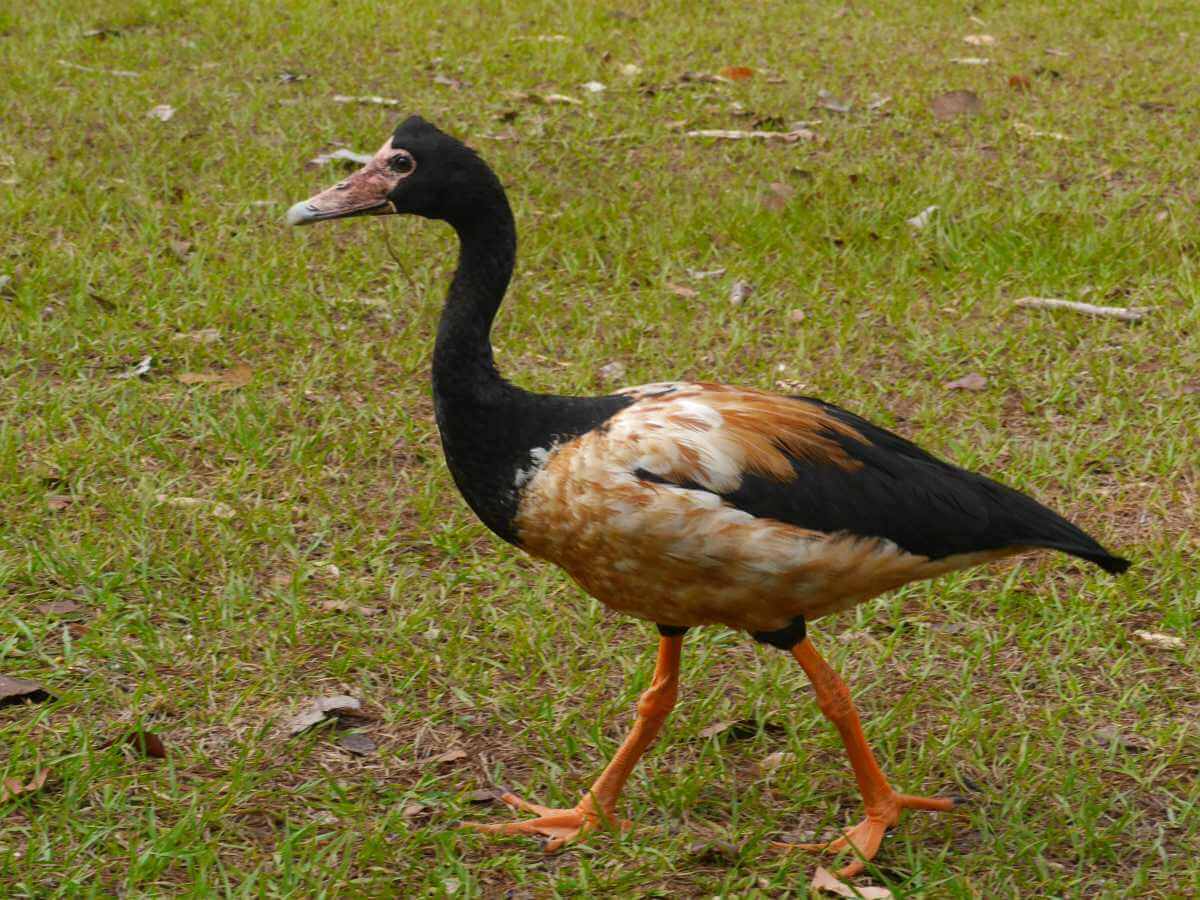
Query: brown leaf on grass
{"points": [[737, 73], [980, 40], [611, 372], [740, 292], [450, 756], [446, 81], [343, 606], [163, 112], [484, 795], [680, 290], [412, 810], [1159, 641], [224, 380], [826, 100], [955, 103], [357, 743], [144, 743], [58, 502], [12, 787], [60, 608], [322, 709], [779, 193], [182, 249], [972, 382], [19, 690], [1111, 736], [142, 368], [202, 336], [824, 880], [702, 78], [773, 761], [1020, 83]]}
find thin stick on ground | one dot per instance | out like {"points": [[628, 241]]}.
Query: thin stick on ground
{"points": [[1125, 314]]}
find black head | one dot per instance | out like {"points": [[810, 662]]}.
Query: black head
{"points": [[420, 170]]}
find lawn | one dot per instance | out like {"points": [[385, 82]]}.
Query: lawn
{"points": [[261, 514]]}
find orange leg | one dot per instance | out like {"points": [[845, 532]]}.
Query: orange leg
{"points": [[882, 802], [599, 804]]}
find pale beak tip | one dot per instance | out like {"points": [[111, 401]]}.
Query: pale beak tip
{"points": [[300, 214]]}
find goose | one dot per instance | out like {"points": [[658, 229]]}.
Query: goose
{"points": [[684, 503]]}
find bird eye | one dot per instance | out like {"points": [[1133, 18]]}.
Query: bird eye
{"points": [[402, 163]]}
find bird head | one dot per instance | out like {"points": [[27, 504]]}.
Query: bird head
{"points": [[419, 170]]}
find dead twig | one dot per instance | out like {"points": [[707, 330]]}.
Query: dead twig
{"points": [[1125, 314]]}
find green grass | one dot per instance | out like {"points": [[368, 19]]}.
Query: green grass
{"points": [[210, 630]]}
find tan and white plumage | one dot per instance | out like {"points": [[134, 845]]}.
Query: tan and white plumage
{"points": [[684, 556], [684, 504]]}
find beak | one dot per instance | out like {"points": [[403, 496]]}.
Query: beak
{"points": [[365, 193]]}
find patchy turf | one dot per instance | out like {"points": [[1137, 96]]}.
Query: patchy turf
{"points": [[320, 490]]}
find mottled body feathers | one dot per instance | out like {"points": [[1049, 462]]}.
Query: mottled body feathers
{"points": [[701, 504]]}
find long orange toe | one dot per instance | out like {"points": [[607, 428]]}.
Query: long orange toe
{"points": [[559, 826], [865, 838]]}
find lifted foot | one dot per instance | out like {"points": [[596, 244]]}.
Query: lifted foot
{"points": [[559, 826], [865, 837]]}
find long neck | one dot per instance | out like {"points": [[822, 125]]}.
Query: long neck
{"points": [[462, 357]]}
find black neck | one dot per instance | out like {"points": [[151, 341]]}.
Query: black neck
{"points": [[462, 357]]}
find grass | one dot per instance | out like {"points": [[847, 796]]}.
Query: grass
{"points": [[121, 232]]}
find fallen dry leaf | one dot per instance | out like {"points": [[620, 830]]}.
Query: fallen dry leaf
{"points": [[484, 795], [971, 60], [145, 743], [922, 219], [594, 87], [778, 195], [358, 744], [343, 606], [680, 290], [702, 274], [370, 100], [740, 292], [783, 137], [322, 709], [58, 502], [1020, 83], [955, 103], [824, 880], [412, 810], [702, 78], [612, 372], [203, 336], [971, 382], [60, 608], [1159, 641], [631, 70], [118, 73], [878, 101], [182, 249], [1111, 736], [980, 40], [1029, 131], [224, 380], [448, 757], [773, 761], [162, 112], [18, 690], [12, 787], [737, 73], [142, 368], [826, 100], [797, 315], [446, 81]]}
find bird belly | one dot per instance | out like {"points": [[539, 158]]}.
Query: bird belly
{"points": [[678, 556]]}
